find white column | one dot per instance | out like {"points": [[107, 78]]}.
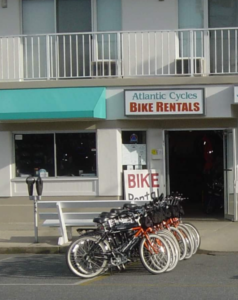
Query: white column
{"points": [[109, 162], [5, 163], [156, 154]]}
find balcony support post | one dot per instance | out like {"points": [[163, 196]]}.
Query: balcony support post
{"points": [[48, 57], [192, 60]]}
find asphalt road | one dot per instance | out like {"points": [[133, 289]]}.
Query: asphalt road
{"points": [[38, 277]]}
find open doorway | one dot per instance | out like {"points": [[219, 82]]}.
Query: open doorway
{"points": [[195, 169]]}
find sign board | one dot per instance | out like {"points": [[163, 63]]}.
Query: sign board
{"points": [[134, 154], [236, 94], [141, 184], [164, 102]]}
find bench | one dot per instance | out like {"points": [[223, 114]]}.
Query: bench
{"points": [[64, 216]]}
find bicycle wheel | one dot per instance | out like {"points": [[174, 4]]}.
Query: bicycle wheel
{"points": [[173, 250], [196, 235], [181, 241], [170, 234], [154, 254], [85, 257], [189, 240]]}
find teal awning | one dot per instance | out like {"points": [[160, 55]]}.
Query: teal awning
{"points": [[53, 103]]}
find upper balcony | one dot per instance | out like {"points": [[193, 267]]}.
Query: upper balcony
{"points": [[190, 52]]}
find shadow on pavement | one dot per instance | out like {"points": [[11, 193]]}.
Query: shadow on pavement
{"points": [[35, 266]]}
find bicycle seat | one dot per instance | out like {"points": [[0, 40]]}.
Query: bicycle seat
{"points": [[129, 205], [125, 226], [116, 210], [104, 214], [99, 220]]}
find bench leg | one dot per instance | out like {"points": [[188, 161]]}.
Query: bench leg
{"points": [[69, 232], [62, 225]]}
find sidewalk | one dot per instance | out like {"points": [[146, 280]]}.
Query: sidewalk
{"points": [[17, 231]]}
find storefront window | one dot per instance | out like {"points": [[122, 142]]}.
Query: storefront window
{"points": [[56, 154], [76, 154], [34, 152], [134, 150]]}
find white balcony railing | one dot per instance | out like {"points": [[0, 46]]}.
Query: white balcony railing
{"points": [[119, 54]]}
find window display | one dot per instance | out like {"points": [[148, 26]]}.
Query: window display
{"points": [[55, 154]]}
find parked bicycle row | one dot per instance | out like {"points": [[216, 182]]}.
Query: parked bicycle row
{"points": [[154, 233]]}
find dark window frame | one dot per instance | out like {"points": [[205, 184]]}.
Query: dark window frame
{"points": [[90, 171]]}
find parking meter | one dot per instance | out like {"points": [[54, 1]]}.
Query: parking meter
{"points": [[39, 186], [30, 184]]}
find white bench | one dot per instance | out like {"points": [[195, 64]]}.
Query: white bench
{"points": [[65, 220]]}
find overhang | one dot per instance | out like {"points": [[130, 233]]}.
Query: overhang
{"points": [[53, 103]]}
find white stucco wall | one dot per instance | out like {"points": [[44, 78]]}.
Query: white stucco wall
{"points": [[5, 163], [155, 141], [109, 162], [10, 23], [149, 14]]}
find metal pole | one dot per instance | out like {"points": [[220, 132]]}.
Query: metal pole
{"points": [[35, 210], [36, 219]]}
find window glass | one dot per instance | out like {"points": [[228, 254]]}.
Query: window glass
{"points": [[73, 16], [223, 13], [76, 154], [32, 12], [111, 9], [133, 137], [34, 152], [190, 15], [134, 150]]}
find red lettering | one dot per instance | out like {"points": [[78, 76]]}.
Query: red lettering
{"points": [[131, 181], [159, 106], [179, 106], [166, 107], [196, 106], [141, 107], [172, 106], [190, 107], [144, 180], [184, 107], [155, 180], [138, 180], [133, 107], [144, 107]]}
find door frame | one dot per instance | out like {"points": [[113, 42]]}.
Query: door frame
{"points": [[232, 217]]}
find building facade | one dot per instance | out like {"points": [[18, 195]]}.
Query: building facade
{"points": [[92, 88]]}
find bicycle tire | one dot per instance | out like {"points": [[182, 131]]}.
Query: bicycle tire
{"points": [[170, 234], [155, 259], [189, 240], [196, 235], [181, 241], [173, 250], [86, 266]]}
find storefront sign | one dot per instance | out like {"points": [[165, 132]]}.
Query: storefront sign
{"points": [[141, 184], [164, 102], [236, 94]]}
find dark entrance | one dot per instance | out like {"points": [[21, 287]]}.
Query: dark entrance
{"points": [[196, 171]]}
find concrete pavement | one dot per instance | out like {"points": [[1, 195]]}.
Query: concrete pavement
{"points": [[17, 231]]}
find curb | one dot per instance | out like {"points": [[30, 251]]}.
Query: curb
{"points": [[63, 250], [212, 252], [33, 250]]}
